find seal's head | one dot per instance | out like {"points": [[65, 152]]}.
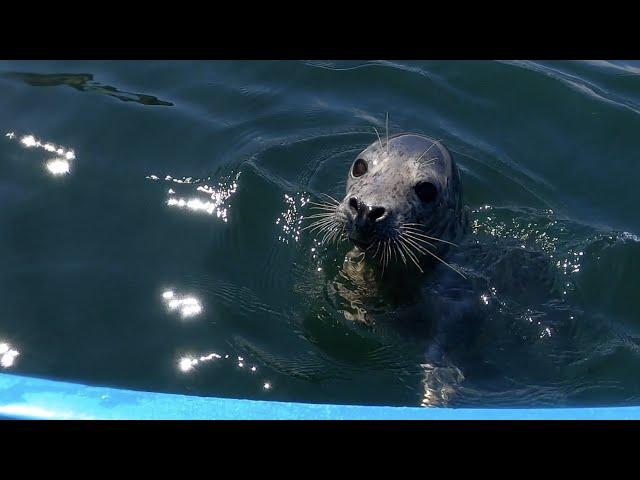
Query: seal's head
{"points": [[403, 196]]}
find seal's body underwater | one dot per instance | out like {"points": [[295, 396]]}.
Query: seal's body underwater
{"points": [[414, 272]]}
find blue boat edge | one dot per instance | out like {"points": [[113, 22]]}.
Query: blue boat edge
{"points": [[23, 397]]}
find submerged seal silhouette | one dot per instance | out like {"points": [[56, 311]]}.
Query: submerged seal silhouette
{"points": [[403, 203]]}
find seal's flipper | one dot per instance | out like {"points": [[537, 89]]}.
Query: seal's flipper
{"points": [[440, 384]]}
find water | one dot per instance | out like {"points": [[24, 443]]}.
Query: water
{"points": [[162, 249]]}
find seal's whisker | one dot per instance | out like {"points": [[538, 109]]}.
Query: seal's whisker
{"points": [[420, 233], [325, 223], [317, 206], [425, 152], [330, 197], [387, 134], [418, 240], [312, 226], [319, 224], [439, 259], [320, 228], [394, 248], [411, 256], [424, 238], [324, 210], [322, 204], [377, 248], [320, 215], [416, 245], [404, 260], [388, 249], [419, 248], [337, 236], [326, 234], [448, 265], [376, 130], [333, 232], [385, 256], [330, 231], [342, 236]]}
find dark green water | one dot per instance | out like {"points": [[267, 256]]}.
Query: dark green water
{"points": [[549, 154]]}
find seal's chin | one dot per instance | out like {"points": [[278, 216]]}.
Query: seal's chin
{"points": [[360, 244], [361, 241]]}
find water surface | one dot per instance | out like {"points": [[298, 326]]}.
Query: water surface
{"points": [[151, 211]]}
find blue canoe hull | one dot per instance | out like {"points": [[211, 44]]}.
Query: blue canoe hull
{"points": [[34, 398]]}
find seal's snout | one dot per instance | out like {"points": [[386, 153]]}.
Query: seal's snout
{"points": [[365, 219], [366, 212]]}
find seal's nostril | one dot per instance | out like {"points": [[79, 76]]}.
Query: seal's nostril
{"points": [[353, 203], [376, 213]]}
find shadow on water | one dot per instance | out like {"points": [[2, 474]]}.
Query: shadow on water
{"points": [[84, 82]]}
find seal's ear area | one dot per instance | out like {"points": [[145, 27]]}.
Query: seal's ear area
{"points": [[359, 168], [426, 191]]}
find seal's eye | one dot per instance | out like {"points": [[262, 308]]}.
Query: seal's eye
{"points": [[426, 191], [359, 168]]}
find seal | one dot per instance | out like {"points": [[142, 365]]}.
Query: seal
{"points": [[403, 203], [403, 211]]}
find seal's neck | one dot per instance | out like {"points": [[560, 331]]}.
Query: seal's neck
{"points": [[397, 282]]}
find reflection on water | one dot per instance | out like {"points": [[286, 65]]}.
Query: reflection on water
{"points": [[291, 219], [7, 355], [217, 197], [58, 165], [84, 82], [30, 141], [188, 363], [188, 305], [439, 384]]}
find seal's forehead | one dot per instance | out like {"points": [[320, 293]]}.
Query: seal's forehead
{"points": [[408, 147]]}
